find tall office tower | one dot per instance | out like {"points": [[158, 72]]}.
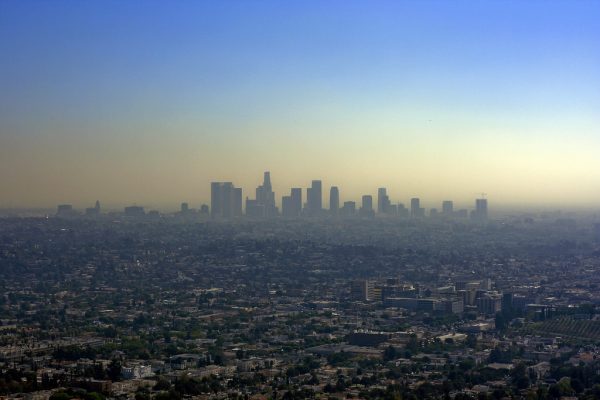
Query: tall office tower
{"points": [[225, 200], [185, 208], [254, 209], [348, 209], [314, 198], [291, 206], [296, 195], [93, 211], [286, 206], [227, 197], [447, 208], [65, 210], [367, 206], [481, 210], [383, 202], [266, 197], [415, 208], [215, 199], [237, 202], [334, 200], [134, 211]]}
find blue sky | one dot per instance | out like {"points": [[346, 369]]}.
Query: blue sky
{"points": [[461, 96]]}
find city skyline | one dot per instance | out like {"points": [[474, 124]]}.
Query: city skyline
{"points": [[104, 100]]}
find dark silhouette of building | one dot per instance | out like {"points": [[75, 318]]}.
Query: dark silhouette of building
{"points": [[481, 210], [383, 202], [225, 200], [314, 198], [367, 206], [291, 206], [134, 211], [416, 211], [349, 209], [334, 200], [65, 210], [185, 208], [265, 199], [448, 208], [93, 211]]}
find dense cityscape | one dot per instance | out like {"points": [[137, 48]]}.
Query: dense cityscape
{"points": [[369, 303], [289, 200], [226, 203]]}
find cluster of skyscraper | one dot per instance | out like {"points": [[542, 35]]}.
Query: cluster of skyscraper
{"points": [[226, 202]]}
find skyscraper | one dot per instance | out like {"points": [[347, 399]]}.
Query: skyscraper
{"points": [[225, 200], [215, 199], [447, 208], [296, 195], [415, 208], [185, 208], [367, 206], [334, 200], [349, 209], [291, 205], [93, 211], [481, 210], [265, 197], [383, 202], [314, 198]]}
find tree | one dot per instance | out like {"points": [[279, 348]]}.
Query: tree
{"points": [[114, 370]]}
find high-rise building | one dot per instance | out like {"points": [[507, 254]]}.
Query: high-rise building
{"points": [[416, 211], [65, 210], [134, 211], [225, 200], [349, 209], [363, 290], [185, 208], [265, 197], [334, 200], [296, 195], [286, 206], [383, 202], [447, 208], [237, 202], [93, 211], [314, 198], [366, 210], [215, 199], [291, 206], [481, 210]]}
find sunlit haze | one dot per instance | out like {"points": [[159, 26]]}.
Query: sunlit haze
{"points": [[148, 103]]}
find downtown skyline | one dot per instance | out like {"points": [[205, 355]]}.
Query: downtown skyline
{"points": [[104, 100]]}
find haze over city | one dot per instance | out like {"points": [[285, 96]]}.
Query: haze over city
{"points": [[290, 200], [148, 105]]}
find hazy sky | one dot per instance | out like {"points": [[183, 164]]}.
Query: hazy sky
{"points": [[147, 102]]}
